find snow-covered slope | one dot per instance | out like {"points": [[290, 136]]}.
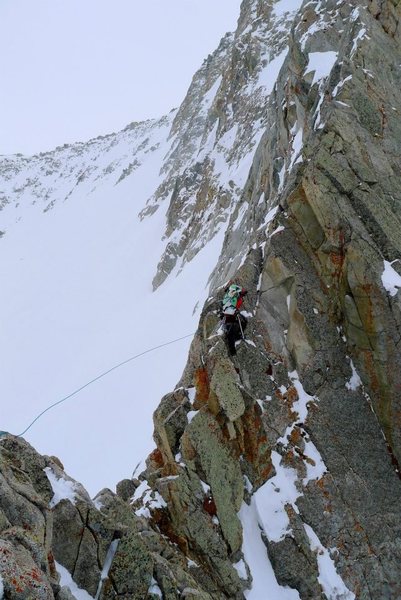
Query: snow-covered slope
{"points": [[38, 183], [76, 271]]}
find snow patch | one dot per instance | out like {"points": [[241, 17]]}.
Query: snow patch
{"points": [[269, 74], [282, 7], [240, 216], [318, 115], [247, 484], [205, 487], [264, 582], [260, 404], [332, 584], [211, 93], [270, 500], [241, 569], [191, 414], [154, 588], [300, 406], [98, 504], [315, 467], [390, 278], [67, 580], [192, 563], [340, 85], [355, 382], [63, 489], [191, 394], [142, 487], [270, 216], [321, 63], [150, 500], [277, 230], [360, 36], [297, 145]]}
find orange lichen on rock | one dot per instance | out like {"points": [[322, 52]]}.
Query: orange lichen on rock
{"points": [[187, 449], [156, 458], [295, 436], [291, 395], [202, 388], [161, 518], [254, 442]]}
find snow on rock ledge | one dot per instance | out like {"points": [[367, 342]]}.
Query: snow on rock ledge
{"points": [[390, 278], [64, 489]]}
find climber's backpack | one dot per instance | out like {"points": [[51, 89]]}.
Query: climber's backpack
{"points": [[230, 299]]}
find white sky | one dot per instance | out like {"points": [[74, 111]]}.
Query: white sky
{"points": [[75, 69]]}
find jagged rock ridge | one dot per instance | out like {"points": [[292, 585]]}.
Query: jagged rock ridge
{"points": [[43, 180], [299, 434]]}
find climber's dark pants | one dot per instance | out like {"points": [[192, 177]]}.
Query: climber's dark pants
{"points": [[233, 330]]}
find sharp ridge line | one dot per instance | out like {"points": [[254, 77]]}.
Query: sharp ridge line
{"points": [[121, 364]]}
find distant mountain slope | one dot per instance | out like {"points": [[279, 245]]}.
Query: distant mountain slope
{"points": [[51, 178]]}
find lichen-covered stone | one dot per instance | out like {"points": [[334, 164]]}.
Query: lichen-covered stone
{"points": [[170, 420], [67, 533], [224, 384], [222, 473], [87, 570], [65, 594], [22, 577], [125, 489], [132, 569], [191, 526]]}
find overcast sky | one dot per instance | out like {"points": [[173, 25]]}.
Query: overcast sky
{"points": [[75, 69]]}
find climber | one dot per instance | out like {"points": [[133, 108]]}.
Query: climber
{"points": [[234, 323]]}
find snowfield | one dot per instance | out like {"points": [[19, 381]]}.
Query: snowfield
{"points": [[76, 300]]}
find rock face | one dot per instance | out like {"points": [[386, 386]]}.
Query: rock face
{"points": [[49, 522], [287, 454]]}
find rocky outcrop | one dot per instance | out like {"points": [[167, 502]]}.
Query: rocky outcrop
{"points": [[276, 470], [50, 527], [216, 131]]}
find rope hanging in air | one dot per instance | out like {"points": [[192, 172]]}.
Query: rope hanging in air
{"points": [[3, 433]]}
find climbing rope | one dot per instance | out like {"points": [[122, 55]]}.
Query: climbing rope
{"points": [[3, 433]]}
